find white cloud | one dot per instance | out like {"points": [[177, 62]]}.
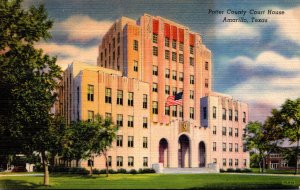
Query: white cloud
{"points": [[82, 28], [288, 25], [237, 30], [66, 54], [268, 90]]}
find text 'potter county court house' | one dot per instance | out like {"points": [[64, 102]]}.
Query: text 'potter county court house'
{"points": [[140, 64]]}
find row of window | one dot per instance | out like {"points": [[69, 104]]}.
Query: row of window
{"points": [[230, 162], [174, 43], [224, 147], [113, 47], [119, 161], [119, 122], [214, 114], [224, 131], [130, 142]]}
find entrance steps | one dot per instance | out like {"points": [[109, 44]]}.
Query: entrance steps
{"points": [[188, 170]]}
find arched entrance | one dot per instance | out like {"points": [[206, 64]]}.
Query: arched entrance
{"points": [[163, 152], [202, 154], [183, 152]]}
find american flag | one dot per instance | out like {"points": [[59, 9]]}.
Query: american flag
{"points": [[174, 100]]}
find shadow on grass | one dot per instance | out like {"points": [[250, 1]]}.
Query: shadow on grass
{"points": [[77, 176], [250, 186], [18, 184]]}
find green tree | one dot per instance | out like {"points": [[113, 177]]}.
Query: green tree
{"points": [[287, 119], [106, 133], [28, 80], [262, 139]]}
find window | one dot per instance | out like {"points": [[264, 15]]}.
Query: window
{"points": [[236, 132], [236, 162], [135, 45], [192, 79], [167, 54], [119, 140], [114, 56], [214, 160], [206, 83], [214, 146], [101, 56], [109, 48], [167, 74], [204, 112], [230, 114], [145, 161], [224, 147], [230, 131], [118, 37], [108, 163], [206, 65], [145, 122], [174, 56], [224, 161], [236, 115], [174, 44], [181, 58], [130, 98], [244, 117], [119, 120], [130, 121], [167, 42], [236, 147], [108, 95], [120, 97], [118, 51], [154, 107], [167, 89], [154, 38], [90, 116], [180, 111], [191, 94], [181, 46], [174, 75], [154, 87], [167, 110], [135, 66], [214, 112], [245, 162], [155, 70], [174, 111], [120, 161], [230, 162], [191, 113], [192, 50], [224, 114], [155, 51], [230, 147], [174, 91], [130, 141], [145, 142], [90, 95], [224, 131], [107, 115], [191, 61], [214, 130], [180, 76], [244, 148], [145, 100]]}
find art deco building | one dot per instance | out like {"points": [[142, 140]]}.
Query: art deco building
{"points": [[140, 64]]}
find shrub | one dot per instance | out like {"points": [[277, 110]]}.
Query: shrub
{"points": [[96, 171], [68, 170], [222, 170], [246, 170], [230, 170], [121, 171], [111, 171], [238, 170], [132, 171], [103, 171], [146, 170]]}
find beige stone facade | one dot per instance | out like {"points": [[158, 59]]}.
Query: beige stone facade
{"points": [[147, 61]]}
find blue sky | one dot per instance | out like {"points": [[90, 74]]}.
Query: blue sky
{"points": [[258, 63]]}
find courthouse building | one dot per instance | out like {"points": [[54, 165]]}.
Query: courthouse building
{"points": [[140, 64]]}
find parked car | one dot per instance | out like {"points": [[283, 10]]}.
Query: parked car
{"points": [[19, 169]]}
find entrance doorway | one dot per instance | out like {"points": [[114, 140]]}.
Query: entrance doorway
{"points": [[163, 152], [184, 152], [202, 154]]}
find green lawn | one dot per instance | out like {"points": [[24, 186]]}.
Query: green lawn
{"points": [[270, 171], [151, 181]]}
